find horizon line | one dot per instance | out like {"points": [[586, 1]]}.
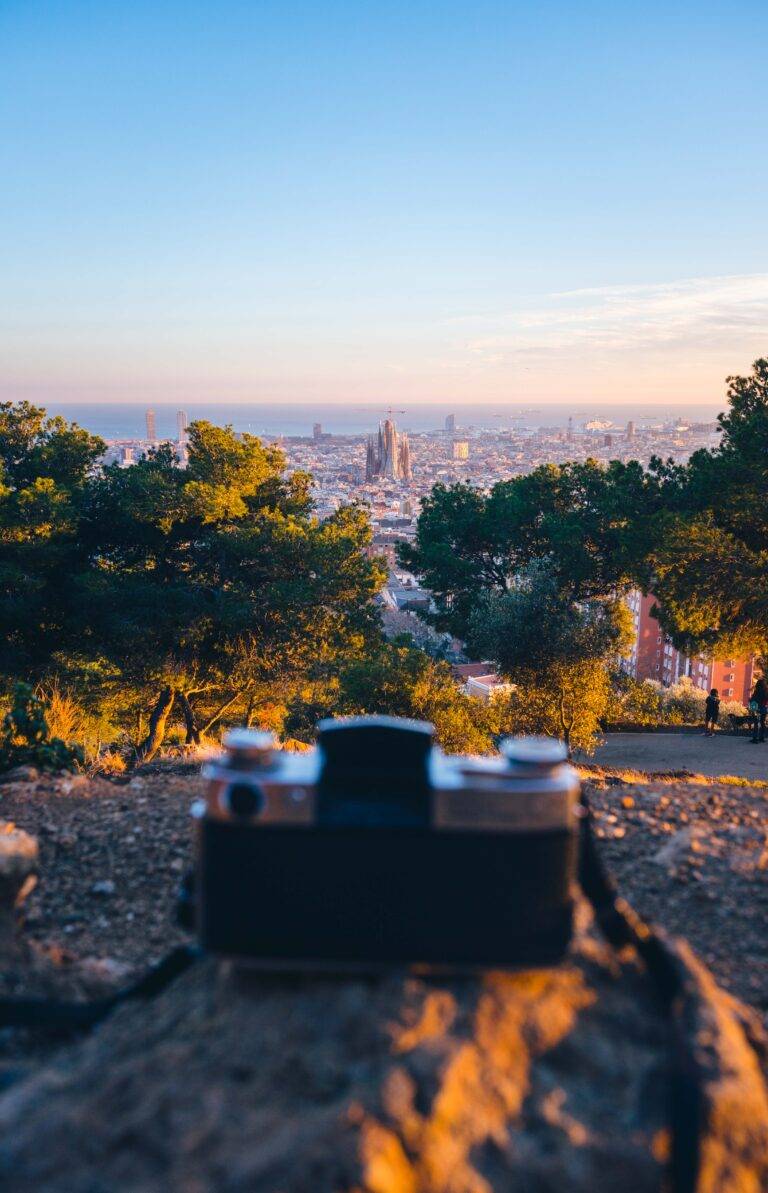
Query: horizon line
{"points": [[178, 404]]}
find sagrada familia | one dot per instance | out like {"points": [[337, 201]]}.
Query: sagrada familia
{"points": [[388, 454]]}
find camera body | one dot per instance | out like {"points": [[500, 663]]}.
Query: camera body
{"points": [[375, 848]]}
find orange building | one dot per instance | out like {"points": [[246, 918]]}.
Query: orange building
{"points": [[654, 657], [733, 678], [647, 660]]}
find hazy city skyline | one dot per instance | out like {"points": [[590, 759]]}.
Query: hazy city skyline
{"points": [[343, 204]]}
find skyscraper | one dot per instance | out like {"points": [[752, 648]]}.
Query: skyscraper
{"points": [[450, 423], [461, 449], [151, 427], [317, 430], [181, 426]]}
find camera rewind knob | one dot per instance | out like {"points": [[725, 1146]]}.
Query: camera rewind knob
{"points": [[250, 748]]}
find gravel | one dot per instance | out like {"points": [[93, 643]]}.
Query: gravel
{"points": [[515, 1081], [692, 858], [695, 859], [111, 860]]}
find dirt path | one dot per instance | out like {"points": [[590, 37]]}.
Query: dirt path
{"points": [[721, 755]]}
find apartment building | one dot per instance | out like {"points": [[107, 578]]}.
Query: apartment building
{"points": [[654, 657]]}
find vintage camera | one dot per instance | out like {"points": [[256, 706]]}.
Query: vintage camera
{"points": [[376, 848]]}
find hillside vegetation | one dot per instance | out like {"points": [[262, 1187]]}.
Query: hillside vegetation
{"points": [[161, 602], [158, 600]]}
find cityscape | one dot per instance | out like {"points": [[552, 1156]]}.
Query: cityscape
{"points": [[391, 471]]}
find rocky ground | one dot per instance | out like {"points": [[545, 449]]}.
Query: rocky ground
{"points": [[112, 856], [695, 859], [516, 1082], [525, 1081], [690, 857]]}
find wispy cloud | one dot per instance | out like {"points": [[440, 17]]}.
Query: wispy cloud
{"points": [[716, 313]]}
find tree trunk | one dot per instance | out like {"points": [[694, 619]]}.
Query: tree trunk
{"points": [[193, 733], [219, 713], [157, 722], [251, 711], [566, 725]]}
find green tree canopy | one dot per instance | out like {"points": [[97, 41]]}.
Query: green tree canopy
{"points": [[191, 588], [595, 523], [710, 566], [695, 534], [554, 649], [398, 679], [45, 468]]}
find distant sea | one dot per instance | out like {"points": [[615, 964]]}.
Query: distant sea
{"points": [[127, 420]]}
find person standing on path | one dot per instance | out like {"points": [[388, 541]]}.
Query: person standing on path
{"points": [[711, 713], [760, 698]]}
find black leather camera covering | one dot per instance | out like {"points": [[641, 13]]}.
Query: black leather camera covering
{"points": [[386, 895]]}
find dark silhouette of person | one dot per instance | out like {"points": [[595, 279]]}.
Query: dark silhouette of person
{"points": [[759, 699], [711, 713]]}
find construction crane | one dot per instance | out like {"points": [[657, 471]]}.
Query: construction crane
{"points": [[390, 410]]}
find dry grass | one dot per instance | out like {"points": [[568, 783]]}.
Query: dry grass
{"points": [[73, 723], [110, 762], [64, 715], [594, 773]]}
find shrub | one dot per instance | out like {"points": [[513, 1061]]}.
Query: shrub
{"points": [[646, 702], [62, 713], [636, 701], [683, 703], [732, 708], [27, 739]]}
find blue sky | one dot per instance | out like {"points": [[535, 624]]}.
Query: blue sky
{"points": [[359, 201]]}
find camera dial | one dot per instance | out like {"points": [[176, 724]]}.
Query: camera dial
{"points": [[531, 754], [250, 749]]}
